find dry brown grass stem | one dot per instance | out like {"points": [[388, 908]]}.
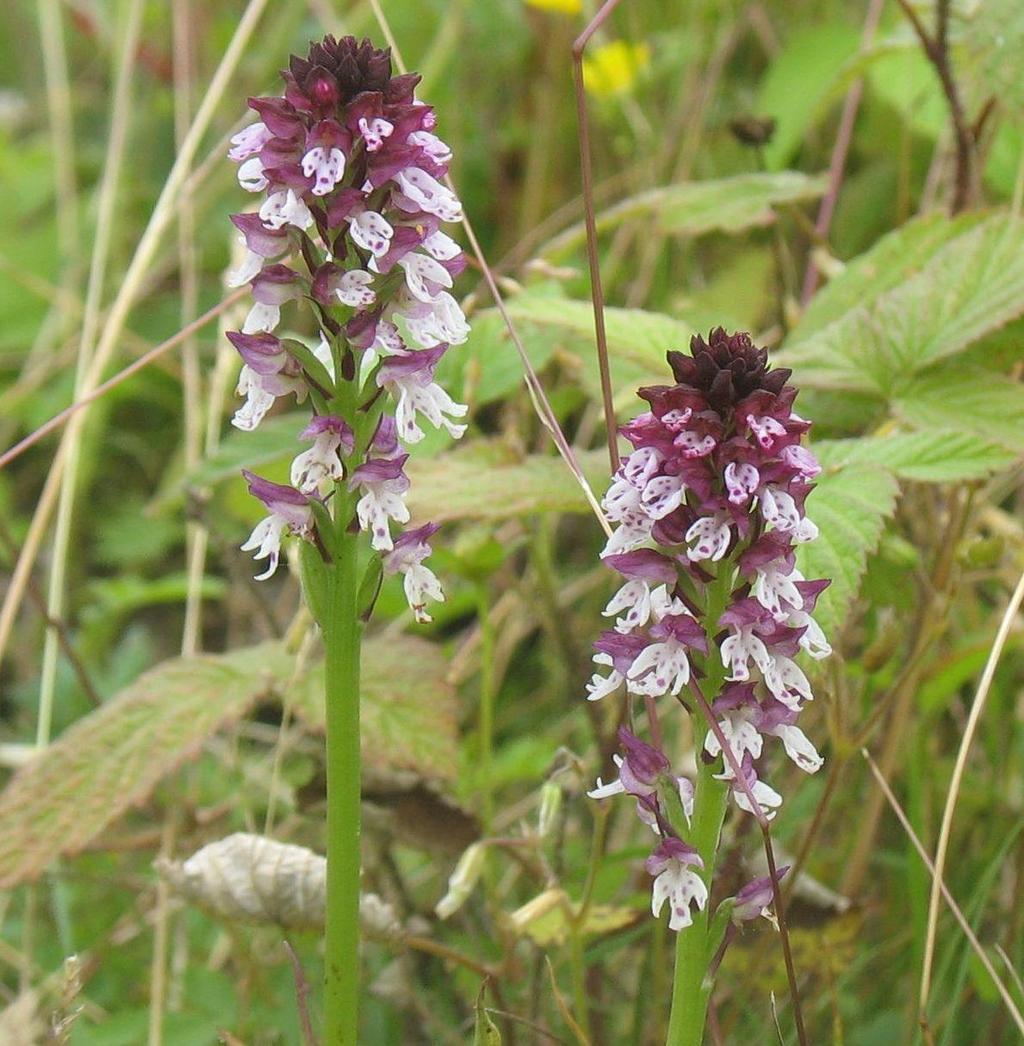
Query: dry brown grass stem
{"points": [[975, 944], [160, 219], [942, 847]]}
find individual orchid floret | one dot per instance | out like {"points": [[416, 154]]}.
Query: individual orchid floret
{"points": [[641, 568], [421, 584], [290, 513], [383, 484], [272, 286], [663, 666], [268, 372], [738, 714], [767, 799], [675, 881], [643, 772], [410, 379], [321, 464], [777, 720], [617, 650]]}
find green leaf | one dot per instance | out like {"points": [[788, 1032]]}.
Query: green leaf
{"points": [[932, 456], [974, 401], [813, 55], [275, 438], [409, 713], [694, 208], [637, 339], [924, 293], [849, 505], [485, 1033], [485, 481], [113, 758]]}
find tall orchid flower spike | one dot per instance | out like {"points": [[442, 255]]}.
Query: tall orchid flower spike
{"points": [[348, 224], [708, 508]]}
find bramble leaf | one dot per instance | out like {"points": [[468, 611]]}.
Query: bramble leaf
{"points": [[850, 506], [922, 294], [929, 456], [485, 481], [112, 759]]}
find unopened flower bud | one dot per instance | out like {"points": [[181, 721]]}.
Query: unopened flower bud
{"points": [[550, 807], [462, 880]]}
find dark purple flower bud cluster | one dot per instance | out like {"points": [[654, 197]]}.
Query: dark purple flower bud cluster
{"points": [[352, 184], [713, 494]]}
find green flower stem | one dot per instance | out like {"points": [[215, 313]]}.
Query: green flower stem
{"points": [[342, 639], [691, 986]]}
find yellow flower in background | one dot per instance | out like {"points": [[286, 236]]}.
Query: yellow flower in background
{"points": [[564, 7], [613, 68]]}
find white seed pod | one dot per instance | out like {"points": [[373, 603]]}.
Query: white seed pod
{"points": [[253, 879], [249, 878]]}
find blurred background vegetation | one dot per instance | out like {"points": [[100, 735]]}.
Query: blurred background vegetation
{"points": [[714, 123]]}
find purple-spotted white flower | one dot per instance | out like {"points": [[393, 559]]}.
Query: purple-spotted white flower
{"points": [[675, 881], [350, 176], [420, 582], [711, 498], [290, 513]]}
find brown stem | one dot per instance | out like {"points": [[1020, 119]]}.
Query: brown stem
{"points": [[301, 995], [936, 49], [588, 209]]}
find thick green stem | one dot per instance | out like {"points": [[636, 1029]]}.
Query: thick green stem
{"points": [[690, 993], [342, 637], [691, 988]]}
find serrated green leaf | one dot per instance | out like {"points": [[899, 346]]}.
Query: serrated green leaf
{"points": [[932, 456], [985, 405], [694, 208], [878, 323], [409, 714], [485, 481], [849, 506]]}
